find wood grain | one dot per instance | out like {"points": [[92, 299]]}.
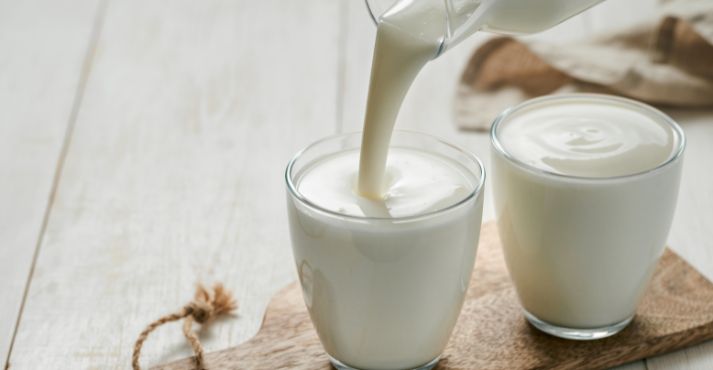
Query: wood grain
{"points": [[175, 175], [491, 332], [43, 47]]}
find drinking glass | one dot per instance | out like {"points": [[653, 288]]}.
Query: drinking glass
{"points": [[384, 293], [581, 250]]}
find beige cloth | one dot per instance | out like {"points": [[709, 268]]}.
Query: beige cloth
{"points": [[667, 61]]}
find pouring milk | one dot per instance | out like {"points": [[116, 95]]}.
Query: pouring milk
{"points": [[412, 32]]}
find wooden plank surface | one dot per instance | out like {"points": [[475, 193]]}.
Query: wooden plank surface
{"points": [[43, 48], [491, 332], [175, 174]]}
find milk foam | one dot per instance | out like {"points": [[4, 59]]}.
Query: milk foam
{"points": [[586, 137], [416, 183]]}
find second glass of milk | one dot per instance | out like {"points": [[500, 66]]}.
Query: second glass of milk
{"points": [[585, 189], [384, 290]]}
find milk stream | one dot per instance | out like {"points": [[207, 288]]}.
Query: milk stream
{"points": [[407, 38], [410, 34]]}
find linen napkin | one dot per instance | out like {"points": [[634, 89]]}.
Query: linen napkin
{"points": [[665, 61]]}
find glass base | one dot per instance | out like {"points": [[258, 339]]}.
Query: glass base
{"points": [[340, 366], [577, 333]]}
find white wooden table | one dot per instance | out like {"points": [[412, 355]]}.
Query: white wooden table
{"points": [[142, 145]]}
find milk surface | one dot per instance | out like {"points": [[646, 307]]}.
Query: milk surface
{"points": [[416, 183], [587, 138], [582, 250]]}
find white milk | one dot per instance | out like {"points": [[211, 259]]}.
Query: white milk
{"points": [[385, 292], [581, 249], [407, 37], [587, 138]]}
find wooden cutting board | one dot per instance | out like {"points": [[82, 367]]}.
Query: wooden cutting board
{"points": [[491, 332]]}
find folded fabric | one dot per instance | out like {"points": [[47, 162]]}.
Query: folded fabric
{"points": [[667, 61]]}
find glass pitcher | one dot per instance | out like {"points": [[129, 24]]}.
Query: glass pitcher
{"points": [[461, 18]]}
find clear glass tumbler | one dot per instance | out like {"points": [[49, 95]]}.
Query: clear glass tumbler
{"points": [[384, 293], [581, 250]]}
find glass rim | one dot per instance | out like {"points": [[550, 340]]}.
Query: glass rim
{"points": [[295, 193], [654, 113]]}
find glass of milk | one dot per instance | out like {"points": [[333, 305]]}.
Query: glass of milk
{"points": [[585, 189], [384, 281]]}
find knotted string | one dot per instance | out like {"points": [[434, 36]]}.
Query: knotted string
{"points": [[204, 308]]}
